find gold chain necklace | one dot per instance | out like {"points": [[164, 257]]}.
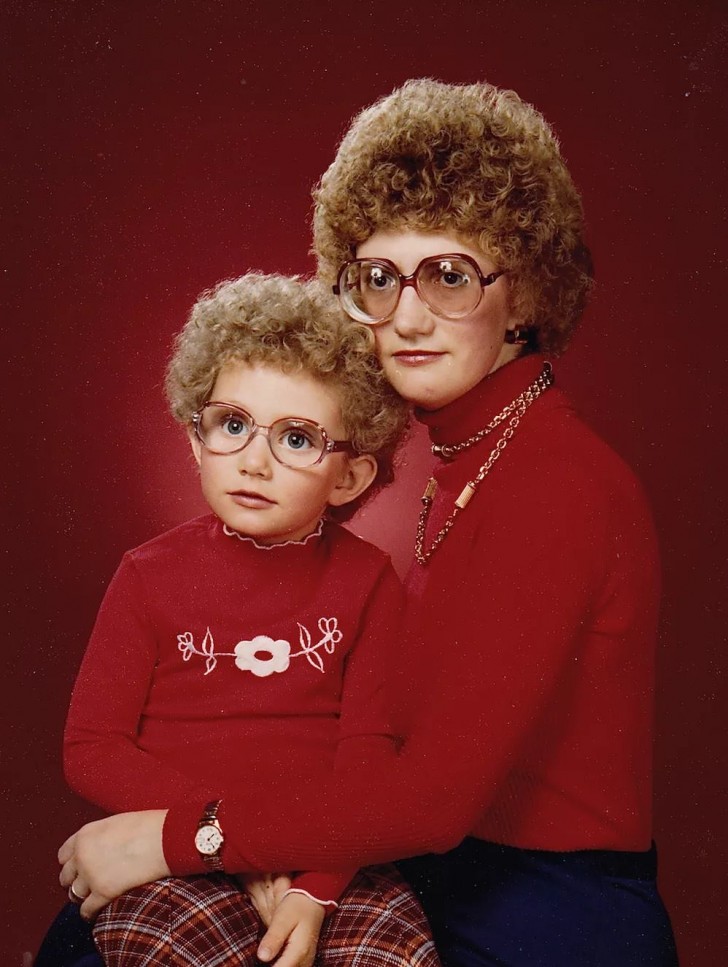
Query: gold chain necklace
{"points": [[515, 409]]}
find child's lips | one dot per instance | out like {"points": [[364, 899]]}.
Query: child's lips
{"points": [[250, 499]]}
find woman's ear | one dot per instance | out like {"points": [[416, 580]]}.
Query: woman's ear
{"points": [[359, 472], [195, 444]]}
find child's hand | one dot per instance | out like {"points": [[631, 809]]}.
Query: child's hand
{"points": [[295, 930], [265, 891]]}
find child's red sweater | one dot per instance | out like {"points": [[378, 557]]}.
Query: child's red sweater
{"points": [[216, 664]]}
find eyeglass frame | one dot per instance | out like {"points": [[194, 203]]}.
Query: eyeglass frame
{"points": [[411, 280], [330, 445]]}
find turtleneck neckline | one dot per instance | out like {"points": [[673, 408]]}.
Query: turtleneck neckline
{"points": [[469, 413]]}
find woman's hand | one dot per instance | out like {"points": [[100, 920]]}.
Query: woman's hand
{"points": [[265, 891], [106, 858], [295, 930]]}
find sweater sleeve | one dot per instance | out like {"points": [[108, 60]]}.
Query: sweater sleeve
{"points": [[527, 585], [102, 761]]}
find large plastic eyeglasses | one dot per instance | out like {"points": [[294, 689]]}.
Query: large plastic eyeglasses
{"points": [[223, 429], [451, 286]]}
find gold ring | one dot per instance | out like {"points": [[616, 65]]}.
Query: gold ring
{"points": [[74, 897]]}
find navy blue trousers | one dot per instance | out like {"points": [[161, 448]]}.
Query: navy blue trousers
{"points": [[498, 905], [69, 942]]}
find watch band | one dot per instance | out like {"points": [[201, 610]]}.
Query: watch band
{"points": [[209, 816]]}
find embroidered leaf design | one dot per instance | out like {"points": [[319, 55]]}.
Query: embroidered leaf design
{"points": [[304, 637], [315, 659], [309, 650], [208, 648]]}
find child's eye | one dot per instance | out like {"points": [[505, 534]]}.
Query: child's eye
{"points": [[297, 440], [234, 425]]}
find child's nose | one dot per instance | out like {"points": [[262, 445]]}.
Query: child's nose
{"points": [[256, 458]]}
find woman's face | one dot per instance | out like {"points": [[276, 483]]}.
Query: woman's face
{"points": [[429, 360]]}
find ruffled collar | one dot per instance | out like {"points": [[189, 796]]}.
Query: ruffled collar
{"points": [[312, 537], [471, 412]]}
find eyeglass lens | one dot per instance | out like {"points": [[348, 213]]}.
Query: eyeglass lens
{"points": [[294, 443], [370, 288]]}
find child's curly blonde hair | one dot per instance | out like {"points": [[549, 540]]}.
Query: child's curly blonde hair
{"points": [[474, 161], [297, 327]]}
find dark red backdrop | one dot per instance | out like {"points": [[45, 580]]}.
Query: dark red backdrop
{"points": [[154, 148]]}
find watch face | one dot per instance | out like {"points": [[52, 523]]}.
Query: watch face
{"points": [[208, 840]]}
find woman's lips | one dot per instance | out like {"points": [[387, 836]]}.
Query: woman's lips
{"points": [[253, 501], [416, 357]]}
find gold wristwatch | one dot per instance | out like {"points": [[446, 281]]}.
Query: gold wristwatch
{"points": [[209, 838]]}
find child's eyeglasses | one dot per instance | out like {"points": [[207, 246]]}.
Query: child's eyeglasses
{"points": [[223, 429]]}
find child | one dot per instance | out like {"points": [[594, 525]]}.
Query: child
{"points": [[253, 641]]}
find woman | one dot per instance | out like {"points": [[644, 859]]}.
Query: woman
{"points": [[449, 223]]}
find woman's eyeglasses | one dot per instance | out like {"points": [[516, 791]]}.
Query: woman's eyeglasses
{"points": [[451, 286]]}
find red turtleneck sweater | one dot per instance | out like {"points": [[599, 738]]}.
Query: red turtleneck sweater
{"points": [[530, 671], [216, 664]]}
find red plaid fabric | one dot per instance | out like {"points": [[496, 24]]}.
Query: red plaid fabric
{"points": [[207, 921]]}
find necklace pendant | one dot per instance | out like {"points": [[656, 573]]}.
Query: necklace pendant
{"points": [[466, 496], [430, 491]]}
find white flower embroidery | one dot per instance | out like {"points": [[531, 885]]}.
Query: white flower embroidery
{"points": [[276, 655]]}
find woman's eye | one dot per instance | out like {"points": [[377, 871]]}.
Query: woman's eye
{"points": [[451, 279], [379, 280]]}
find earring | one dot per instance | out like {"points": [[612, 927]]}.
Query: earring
{"points": [[517, 336]]}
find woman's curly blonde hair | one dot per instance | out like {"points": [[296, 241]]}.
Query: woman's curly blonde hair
{"points": [[295, 326], [474, 161]]}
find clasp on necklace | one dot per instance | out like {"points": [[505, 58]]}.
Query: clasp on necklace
{"points": [[443, 451]]}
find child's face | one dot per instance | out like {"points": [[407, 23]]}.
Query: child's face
{"points": [[253, 493]]}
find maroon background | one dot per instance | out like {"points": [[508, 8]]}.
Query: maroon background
{"points": [[155, 148]]}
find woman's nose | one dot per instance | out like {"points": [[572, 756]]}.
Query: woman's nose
{"points": [[412, 317], [256, 459]]}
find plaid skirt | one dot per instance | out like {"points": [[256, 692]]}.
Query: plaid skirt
{"points": [[208, 921]]}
